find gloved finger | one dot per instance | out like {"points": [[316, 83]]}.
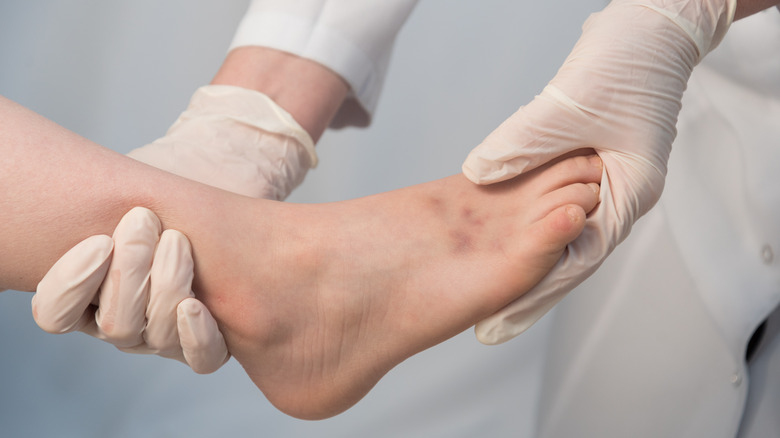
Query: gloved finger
{"points": [[171, 283], [509, 151], [63, 296], [527, 139], [121, 315], [203, 344]]}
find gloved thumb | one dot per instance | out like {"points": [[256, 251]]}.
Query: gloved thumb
{"points": [[201, 341], [548, 127]]}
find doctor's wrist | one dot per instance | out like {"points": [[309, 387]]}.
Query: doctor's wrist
{"points": [[309, 91]]}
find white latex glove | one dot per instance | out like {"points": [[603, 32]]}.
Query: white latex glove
{"points": [[618, 92], [229, 137], [140, 299], [236, 139]]}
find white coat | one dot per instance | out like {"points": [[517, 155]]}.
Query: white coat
{"points": [[654, 344]]}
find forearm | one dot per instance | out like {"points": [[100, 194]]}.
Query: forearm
{"points": [[749, 7], [59, 188], [309, 91]]}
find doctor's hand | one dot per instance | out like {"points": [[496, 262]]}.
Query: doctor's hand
{"points": [[229, 137], [618, 92], [133, 290], [235, 139]]}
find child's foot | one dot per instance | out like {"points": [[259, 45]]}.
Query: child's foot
{"points": [[318, 302]]}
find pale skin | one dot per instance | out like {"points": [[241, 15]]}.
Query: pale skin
{"points": [[317, 302], [309, 91]]}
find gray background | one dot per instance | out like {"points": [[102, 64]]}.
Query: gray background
{"points": [[119, 73]]}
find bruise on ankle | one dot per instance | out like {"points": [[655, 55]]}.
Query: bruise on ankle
{"points": [[463, 236]]}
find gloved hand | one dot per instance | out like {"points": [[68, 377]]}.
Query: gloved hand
{"points": [[618, 92], [236, 139], [140, 299], [229, 137]]}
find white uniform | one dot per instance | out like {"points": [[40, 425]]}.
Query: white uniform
{"points": [[654, 344]]}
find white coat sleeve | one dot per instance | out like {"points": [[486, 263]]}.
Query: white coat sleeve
{"points": [[354, 38]]}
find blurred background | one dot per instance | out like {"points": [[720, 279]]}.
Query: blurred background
{"points": [[119, 73]]}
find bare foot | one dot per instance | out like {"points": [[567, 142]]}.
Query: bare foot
{"points": [[318, 302]]}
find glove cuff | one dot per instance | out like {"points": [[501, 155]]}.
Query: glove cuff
{"points": [[250, 108], [705, 22]]}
